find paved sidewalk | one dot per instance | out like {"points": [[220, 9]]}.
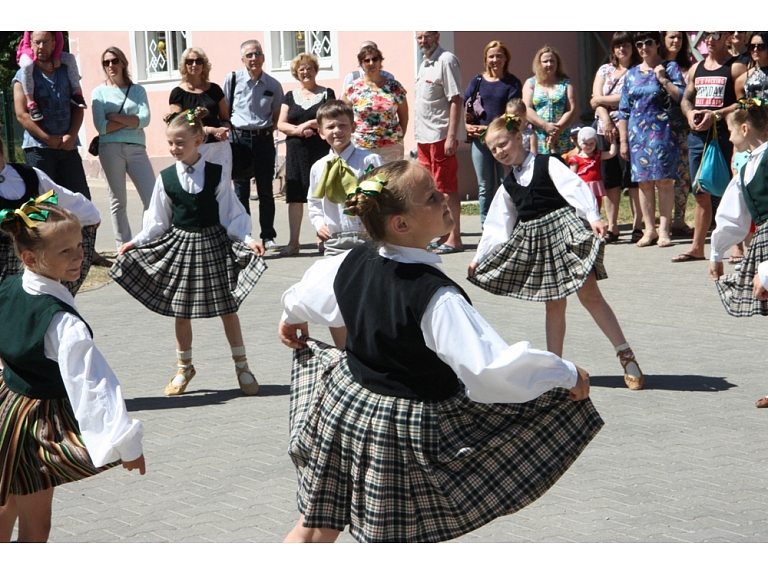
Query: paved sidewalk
{"points": [[680, 461]]}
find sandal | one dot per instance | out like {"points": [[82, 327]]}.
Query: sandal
{"points": [[445, 249], [735, 259], [762, 402], [634, 383], [637, 235], [289, 250], [100, 260], [648, 240], [179, 382], [610, 237], [664, 241], [684, 231], [251, 388]]}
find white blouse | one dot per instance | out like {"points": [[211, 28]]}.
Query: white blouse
{"points": [[232, 214], [12, 187], [92, 387], [491, 370], [502, 214]]}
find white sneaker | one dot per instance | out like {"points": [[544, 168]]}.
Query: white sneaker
{"points": [[269, 244]]}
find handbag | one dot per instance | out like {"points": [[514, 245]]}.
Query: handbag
{"points": [[473, 107], [677, 119], [242, 154], [713, 175], [93, 147]]}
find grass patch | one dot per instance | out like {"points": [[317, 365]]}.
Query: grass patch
{"points": [[97, 277]]}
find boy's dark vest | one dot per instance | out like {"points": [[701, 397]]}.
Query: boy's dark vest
{"points": [[31, 183], [193, 212], [540, 197], [756, 191], [25, 319], [382, 302]]}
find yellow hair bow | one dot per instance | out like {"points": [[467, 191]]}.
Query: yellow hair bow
{"points": [[29, 212]]}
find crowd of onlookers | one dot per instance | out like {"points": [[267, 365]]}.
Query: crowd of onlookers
{"points": [[649, 102]]}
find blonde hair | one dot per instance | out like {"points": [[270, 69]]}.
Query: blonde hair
{"points": [[123, 60], [509, 123], [39, 239], [183, 67], [296, 62], [752, 111], [187, 121], [375, 209], [516, 105], [507, 55], [538, 71]]}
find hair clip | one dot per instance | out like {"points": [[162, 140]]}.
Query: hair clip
{"points": [[29, 210], [189, 116], [512, 121]]}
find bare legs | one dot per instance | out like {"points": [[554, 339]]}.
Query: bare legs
{"points": [[231, 330], [594, 302], [612, 200], [34, 514], [637, 213], [295, 213], [301, 534], [453, 239]]}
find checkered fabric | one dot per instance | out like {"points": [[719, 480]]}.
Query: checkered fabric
{"points": [[545, 259], [398, 470], [40, 445], [190, 274], [11, 265], [736, 289]]}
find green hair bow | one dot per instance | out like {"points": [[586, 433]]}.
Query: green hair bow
{"points": [[29, 212]]}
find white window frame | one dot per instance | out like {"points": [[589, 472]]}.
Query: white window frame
{"points": [[280, 65], [157, 81]]}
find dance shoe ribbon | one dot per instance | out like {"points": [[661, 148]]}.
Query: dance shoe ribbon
{"points": [[336, 179], [29, 212]]}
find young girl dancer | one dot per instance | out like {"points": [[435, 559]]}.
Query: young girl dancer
{"points": [[534, 247], [745, 200], [62, 415], [26, 56], [586, 163], [428, 426], [19, 183], [195, 256]]}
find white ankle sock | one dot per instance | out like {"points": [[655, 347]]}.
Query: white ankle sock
{"points": [[184, 355], [632, 368]]}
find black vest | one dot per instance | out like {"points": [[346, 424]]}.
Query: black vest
{"points": [[31, 183], [756, 191], [540, 197], [382, 302], [193, 212], [24, 319]]}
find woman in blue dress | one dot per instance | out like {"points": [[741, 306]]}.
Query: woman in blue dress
{"points": [[647, 138]]}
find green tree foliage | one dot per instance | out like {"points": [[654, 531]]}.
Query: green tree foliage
{"points": [[9, 41]]}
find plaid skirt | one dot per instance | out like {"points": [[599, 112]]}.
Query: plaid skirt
{"points": [[190, 274], [40, 445], [545, 259], [399, 470], [11, 265], [736, 289]]}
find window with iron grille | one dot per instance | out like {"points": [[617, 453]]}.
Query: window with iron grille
{"points": [[158, 54], [287, 45]]}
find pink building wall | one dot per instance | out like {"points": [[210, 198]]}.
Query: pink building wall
{"points": [[400, 58]]}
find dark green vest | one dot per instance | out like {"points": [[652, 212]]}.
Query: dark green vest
{"points": [[24, 319], [756, 192], [193, 212]]}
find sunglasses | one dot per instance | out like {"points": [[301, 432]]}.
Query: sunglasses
{"points": [[713, 35], [191, 61], [759, 47], [250, 55], [111, 62], [371, 60], [648, 42]]}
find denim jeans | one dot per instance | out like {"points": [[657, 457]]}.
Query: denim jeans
{"points": [[264, 171], [490, 174], [63, 167]]}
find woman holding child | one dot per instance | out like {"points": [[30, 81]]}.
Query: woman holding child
{"points": [[303, 144]]}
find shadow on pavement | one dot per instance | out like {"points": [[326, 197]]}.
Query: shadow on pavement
{"points": [[199, 397], [668, 382]]}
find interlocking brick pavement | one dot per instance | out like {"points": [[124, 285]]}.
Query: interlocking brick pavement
{"points": [[680, 461]]}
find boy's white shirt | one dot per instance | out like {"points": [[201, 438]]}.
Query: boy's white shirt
{"points": [[322, 210]]}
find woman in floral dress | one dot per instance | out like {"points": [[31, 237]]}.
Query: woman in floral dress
{"points": [[381, 110], [647, 138]]}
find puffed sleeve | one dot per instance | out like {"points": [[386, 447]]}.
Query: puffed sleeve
{"points": [[313, 299], [732, 220], [232, 214], [574, 190], [78, 204], [157, 218], [498, 226], [491, 370], [94, 392]]}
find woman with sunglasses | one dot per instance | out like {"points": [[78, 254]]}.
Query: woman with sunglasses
{"points": [[120, 114], [380, 107], [647, 138], [195, 90]]}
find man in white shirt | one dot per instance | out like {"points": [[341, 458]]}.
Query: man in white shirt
{"points": [[437, 122]]}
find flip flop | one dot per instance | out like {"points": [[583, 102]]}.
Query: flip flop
{"points": [[446, 249], [735, 259], [687, 258]]}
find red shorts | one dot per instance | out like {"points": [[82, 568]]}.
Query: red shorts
{"points": [[444, 169]]}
